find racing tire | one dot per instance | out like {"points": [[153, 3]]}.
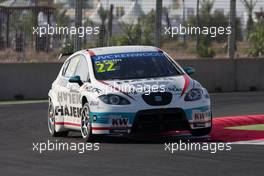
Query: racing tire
{"points": [[86, 126], [201, 132], [51, 122]]}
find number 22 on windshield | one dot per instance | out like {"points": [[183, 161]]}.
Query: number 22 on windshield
{"points": [[105, 66]]}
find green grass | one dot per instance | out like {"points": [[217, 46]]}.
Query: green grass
{"points": [[14, 102], [257, 127]]}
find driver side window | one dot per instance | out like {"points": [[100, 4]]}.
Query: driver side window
{"points": [[72, 67], [82, 69]]}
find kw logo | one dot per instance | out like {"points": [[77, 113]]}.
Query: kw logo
{"points": [[120, 122], [199, 116]]}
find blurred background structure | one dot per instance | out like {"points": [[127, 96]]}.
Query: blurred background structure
{"points": [[130, 22]]}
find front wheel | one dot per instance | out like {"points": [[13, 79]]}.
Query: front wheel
{"points": [[86, 127], [51, 122]]}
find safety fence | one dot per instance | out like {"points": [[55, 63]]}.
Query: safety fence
{"points": [[38, 31]]}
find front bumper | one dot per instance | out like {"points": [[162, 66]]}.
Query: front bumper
{"points": [[160, 120], [150, 120]]}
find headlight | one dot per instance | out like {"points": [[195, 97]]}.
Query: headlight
{"points": [[193, 95], [113, 99]]}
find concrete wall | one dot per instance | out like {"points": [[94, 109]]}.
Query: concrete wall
{"points": [[250, 73], [213, 74], [33, 80]]}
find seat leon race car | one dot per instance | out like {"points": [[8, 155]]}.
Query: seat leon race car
{"points": [[126, 90]]}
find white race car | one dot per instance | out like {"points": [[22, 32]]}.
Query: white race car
{"points": [[126, 90]]}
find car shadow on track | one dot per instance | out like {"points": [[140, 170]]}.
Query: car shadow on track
{"points": [[143, 139]]}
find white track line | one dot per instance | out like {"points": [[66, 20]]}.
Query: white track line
{"points": [[253, 142], [22, 102]]}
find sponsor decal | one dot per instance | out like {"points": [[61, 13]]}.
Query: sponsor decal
{"points": [[127, 55], [199, 125], [92, 89], [200, 118], [94, 103], [71, 98], [68, 111], [119, 122], [63, 82]]}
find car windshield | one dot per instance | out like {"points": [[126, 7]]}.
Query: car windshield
{"points": [[133, 66]]}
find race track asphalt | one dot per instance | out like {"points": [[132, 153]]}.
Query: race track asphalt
{"points": [[21, 125]]}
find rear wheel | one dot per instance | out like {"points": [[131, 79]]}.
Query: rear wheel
{"points": [[51, 122], [86, 127]]}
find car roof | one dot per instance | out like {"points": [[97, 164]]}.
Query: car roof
{"points": [[122, 49]]}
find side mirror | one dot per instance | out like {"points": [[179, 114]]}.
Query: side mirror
{"points": [[76, 79], [189, 70]]}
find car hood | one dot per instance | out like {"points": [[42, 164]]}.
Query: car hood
{"points": [[177, 85]]}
